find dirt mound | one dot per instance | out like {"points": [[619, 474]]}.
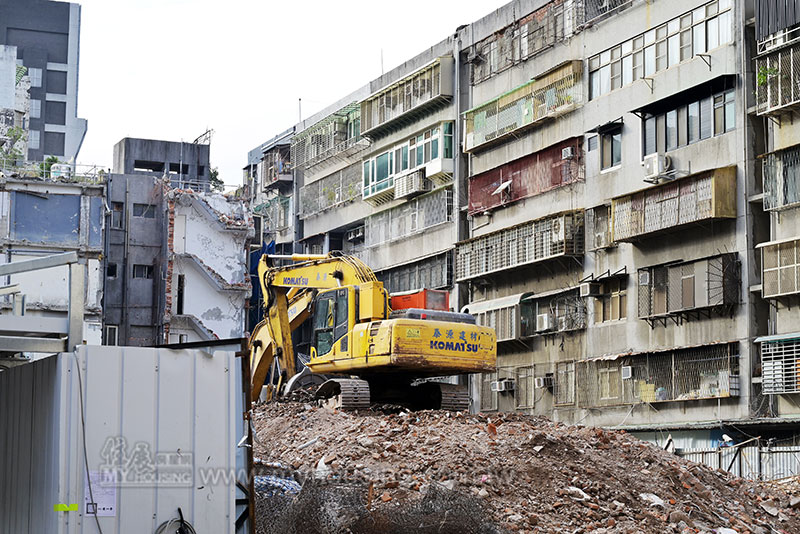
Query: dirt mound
{"points": [[423, 471]]}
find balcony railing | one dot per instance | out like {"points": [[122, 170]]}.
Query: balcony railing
{"points": [[703, 197], [403, 101], [334, 137], [778, 79], [696, 373], [524, 244], [780, 364], [781, 179], [338, 188], [555, 93]]}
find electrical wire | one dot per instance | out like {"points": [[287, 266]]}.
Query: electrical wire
{"points": [[83, 431]]}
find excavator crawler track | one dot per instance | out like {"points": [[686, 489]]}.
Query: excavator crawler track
{"points": [[345, 394]]}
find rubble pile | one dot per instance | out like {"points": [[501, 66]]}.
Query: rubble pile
{"points": [[526, 474]]}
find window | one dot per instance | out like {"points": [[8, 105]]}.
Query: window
{"points": [[609, 383], [525, 387], [34, 141], [690, 123], [111, 270], [146, 211], [611, 305], [419, 150], [488, 397], [565, 383], [117, 215], [35, 76], [592, 144], [181, 288], [665, 46], [611, 143], [111, 335], [143, 271], [36, 108]]}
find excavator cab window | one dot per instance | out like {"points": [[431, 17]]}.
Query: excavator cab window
{"points": [[330, 319]]}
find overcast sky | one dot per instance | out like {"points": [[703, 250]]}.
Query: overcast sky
{"points": [[170, 69]]}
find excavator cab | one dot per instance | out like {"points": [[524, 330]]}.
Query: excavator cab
{"points": [[331, 320]]}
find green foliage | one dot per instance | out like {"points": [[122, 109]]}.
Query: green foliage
{"points": [[216, 183], [9, 151], [764, 74]]}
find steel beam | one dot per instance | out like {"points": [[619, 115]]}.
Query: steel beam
{"points": [[77, 303], [31, 344], [36, 264], [28, 324]]}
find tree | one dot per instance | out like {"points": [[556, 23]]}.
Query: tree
{"points": [[45, 166], [216, 183], [9, 151]]}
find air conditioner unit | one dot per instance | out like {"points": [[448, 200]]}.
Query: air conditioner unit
{"points": [[544, 322], [355, 234], [498, 386], [591, 289], [655, 165], [541, 382], [567, 152], [508, 384], [626, 372]]}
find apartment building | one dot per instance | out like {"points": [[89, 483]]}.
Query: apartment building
{"points": [[610, 185], [777, 88], [46, 35]]}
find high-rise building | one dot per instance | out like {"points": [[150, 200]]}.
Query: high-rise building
{"points": [[47, 37]]}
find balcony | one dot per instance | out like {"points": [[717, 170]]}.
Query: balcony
{"points": [[416, 165], [275, 167], [780, 268], [551, 95], [336, 137], [780, 364], [699, 198], [687, 374], [781, 179], [532, 175], [338, 188], [685, 290], [406, 100], [778, 79], [524, 244]]}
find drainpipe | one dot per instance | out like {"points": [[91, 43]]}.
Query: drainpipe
{"points": [[459, 181]]}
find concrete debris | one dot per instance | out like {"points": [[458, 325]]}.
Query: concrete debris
{"points": [[530, 474]]}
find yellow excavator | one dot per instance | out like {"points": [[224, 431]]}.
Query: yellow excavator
{"points": [[374, 355]]}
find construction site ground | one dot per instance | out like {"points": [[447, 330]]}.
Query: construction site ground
{"points": [[393, 471]]}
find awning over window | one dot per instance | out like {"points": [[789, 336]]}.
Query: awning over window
{"points": [[551, 293], [494, 304], [631, 352], [778, 337], [696, 92]]}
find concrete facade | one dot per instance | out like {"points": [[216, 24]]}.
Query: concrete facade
{"points": [[41, 218], [47, 37], [609, 176], [175, 261], [186, 164], [15, 87]]}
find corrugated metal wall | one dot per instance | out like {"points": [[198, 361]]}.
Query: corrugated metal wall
{"points": [[149, 414], [28, 441], [756, 463]]}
